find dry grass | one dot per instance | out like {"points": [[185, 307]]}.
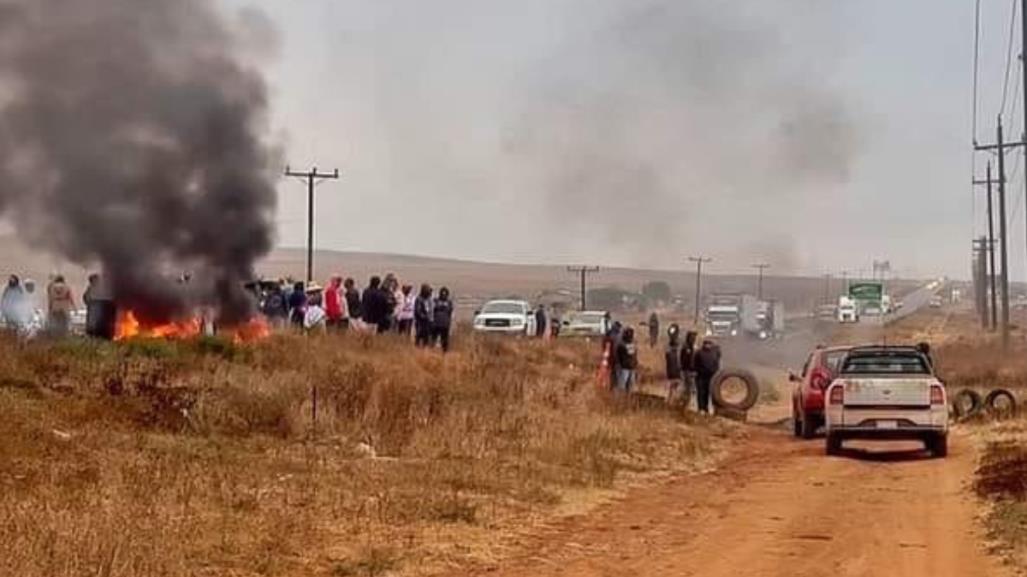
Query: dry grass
{"points": [[202, 458]]}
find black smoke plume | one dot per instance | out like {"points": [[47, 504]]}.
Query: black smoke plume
{"points": [[132, 138]]}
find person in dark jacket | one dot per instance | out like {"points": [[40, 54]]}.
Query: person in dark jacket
{"points": [[627, 361], [654, 330], [423, 314], [442, 319], [353, 304], [688, 362], [610, 342], [376, 306], [540, 322], [297, 305], [672, 358], [275, 307], [707, 365]]}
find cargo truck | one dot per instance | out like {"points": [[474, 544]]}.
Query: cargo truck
{"points": [[731, 315]]}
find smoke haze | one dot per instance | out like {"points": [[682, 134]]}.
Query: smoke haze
{"points": [[132, 138]]}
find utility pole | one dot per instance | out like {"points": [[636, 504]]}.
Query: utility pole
{"points": [[980, 274], [1001, 147], [312, 178], [759, 283], [992, 273], [584, 271], [699, 261]]}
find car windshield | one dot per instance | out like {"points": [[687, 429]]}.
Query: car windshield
{"points": [[723, 316], [503, 309], [885, 363]]}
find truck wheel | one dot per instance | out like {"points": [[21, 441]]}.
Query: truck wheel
{"points": [[991, 403], [833, 445], [939, 446], [809, 427]]}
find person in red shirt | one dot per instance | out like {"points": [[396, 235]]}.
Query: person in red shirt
{"points": [[335, 305]]}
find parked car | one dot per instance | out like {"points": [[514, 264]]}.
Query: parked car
{"points": [[585, 324], [809, 387], [509, 317], [936, 302], [887, 392]]}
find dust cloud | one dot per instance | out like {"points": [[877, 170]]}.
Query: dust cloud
{"points": [[132, 137]]}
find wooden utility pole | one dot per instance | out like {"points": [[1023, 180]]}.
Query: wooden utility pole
{"points": [[312, 179], [584, 271], [1000, 147], [992, 273], [759, 283], [699, 261]]}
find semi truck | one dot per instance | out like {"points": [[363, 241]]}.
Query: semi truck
{"points": [[731, 315]]}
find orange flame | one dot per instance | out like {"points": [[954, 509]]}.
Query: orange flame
{"points": [[129, 327], [254, 329]]}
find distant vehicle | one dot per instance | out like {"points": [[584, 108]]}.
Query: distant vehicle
{"points": [[848, 310], [731, 315], [585, 324], [809, 387], [771, 319], [887, 305], [936, 302], [887, 393], [509, 317]]}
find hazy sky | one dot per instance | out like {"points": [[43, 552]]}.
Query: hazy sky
{"points": [[815, 135]]}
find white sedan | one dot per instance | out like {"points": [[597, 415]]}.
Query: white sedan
{"points": [[507, 317]]}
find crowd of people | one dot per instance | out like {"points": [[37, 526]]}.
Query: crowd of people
{"points": [[21, 310], [690, 365], [384, 306]]}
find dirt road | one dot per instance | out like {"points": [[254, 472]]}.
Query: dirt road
{"points": [[780, 507]]}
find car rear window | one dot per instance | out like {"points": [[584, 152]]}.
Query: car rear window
{"points": [[833, 361], [885, 363]]}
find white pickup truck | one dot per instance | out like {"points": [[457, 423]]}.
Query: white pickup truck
{"points": [[887, 393]]}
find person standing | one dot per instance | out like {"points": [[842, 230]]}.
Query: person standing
{"points": [[707, 365], [315, 319], [688, 362], [610, 342], [376, 306], [405, 316], [297, 305], [672, 359], [336, 318], [627, 361], [423, 315], [353, 305], [654, 330], [540, 322], [59, 305], [11, 302], [276, 306], [442, 319]]}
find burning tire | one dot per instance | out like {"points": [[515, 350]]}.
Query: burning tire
{"points": [[966, 403], [1000, 403], [724, 383]]}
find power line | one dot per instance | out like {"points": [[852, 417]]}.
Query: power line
{"points": [[1009, 56]]}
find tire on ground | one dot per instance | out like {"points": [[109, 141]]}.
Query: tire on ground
{"points": [[958, 404], [994, 410], [752, 389]]}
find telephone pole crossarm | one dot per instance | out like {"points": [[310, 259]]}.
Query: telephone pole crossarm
{"points": [[584, 271], [312, 179]]}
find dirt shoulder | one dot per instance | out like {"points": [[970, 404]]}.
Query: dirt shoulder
{"points": [[779, 507]]}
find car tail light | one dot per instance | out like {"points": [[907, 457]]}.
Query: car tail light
{"points": [[820, 379], [837, 395], [937, 395]]}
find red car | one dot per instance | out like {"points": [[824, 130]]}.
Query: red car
{"points": [[809, 388]]}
